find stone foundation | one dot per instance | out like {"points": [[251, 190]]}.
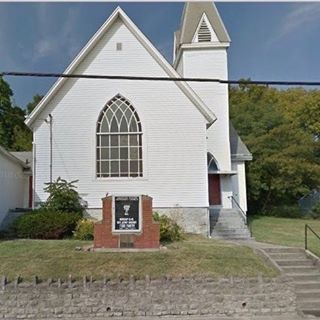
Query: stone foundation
{"points": [[192, 220], [137, 298]]}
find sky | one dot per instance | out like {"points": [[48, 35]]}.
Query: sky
{"points": [[270, 41]]}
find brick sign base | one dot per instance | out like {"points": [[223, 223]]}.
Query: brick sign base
{"points": [[149, 237]]}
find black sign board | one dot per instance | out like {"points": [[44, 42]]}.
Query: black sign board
{"points": [[126, 214]]}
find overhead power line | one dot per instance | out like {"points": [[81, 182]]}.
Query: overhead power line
{"points": [[142, 78]]}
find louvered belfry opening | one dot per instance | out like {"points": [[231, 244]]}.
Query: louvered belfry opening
{"points": [[204, 34]]}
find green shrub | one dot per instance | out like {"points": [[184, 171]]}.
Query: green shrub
{"points": [[286, 211], [63, 197], [84, 230], [45, 224], [170, 231]]}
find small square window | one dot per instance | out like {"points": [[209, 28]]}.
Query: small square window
{"points": [[119, 46], [123, 153], [114, 140], [133, 153], [104, 167], [133, 140], [114, 168], [133, 166], [115, 153], [123, 140], [124, 167], [104, 142], [104, 153]]}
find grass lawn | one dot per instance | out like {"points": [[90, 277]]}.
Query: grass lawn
{"points": [[284, 231], [193, 256]]}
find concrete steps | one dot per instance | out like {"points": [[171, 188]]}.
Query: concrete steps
{"points": [[305, 275], [226, 236], [298, 277], [307, 294], [294, 263], [300, 269], [307, 285], [228, 224], [285, 250]]}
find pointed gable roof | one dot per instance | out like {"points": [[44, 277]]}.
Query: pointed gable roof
{"points": [[170, 71], [191, 16]]}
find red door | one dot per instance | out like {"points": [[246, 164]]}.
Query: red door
{"points": [[214, 189]]}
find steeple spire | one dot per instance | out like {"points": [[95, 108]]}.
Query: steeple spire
{"points": [[201, 22]]}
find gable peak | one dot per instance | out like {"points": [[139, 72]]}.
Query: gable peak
{"points": [[204, 31], [196, 12]]}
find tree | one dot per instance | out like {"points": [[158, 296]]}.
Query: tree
{"points": [[35, 101], [281, 129], [11, 120], [14, 134], [63, 197]]}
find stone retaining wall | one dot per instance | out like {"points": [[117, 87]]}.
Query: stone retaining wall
{"points": [[129, 298]]}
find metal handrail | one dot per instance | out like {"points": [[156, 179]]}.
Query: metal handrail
{"points": [[306, 227], [243, 214]]}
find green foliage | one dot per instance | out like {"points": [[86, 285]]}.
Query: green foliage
{"points": [[57, 218], [14, 134], [63, 197], [35, 101], [170, 231], [84, 230], [286, 211], [45, 224], [281, 129]]}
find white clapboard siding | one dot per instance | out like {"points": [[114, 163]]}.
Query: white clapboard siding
{"points": [[12, 185], [211, 63], [174, 131], [239, 184]]}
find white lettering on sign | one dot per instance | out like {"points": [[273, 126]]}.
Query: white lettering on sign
{"points": [[126, 214]]}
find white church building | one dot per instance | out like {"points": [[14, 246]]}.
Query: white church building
{"points": [[171, 140]]}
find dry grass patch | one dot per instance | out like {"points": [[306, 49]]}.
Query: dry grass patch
{"points": [[193, 256]]}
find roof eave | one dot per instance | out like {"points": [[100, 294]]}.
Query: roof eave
{"points": [[242, 157], [74, 64], [13, 158]]}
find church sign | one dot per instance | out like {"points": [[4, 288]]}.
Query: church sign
{"points": [[126, 214], [127, 223]]}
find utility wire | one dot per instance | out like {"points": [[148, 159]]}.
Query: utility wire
{"points": [[95, 76]]}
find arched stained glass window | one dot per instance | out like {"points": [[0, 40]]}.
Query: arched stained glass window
{"points": [[212, 165], [119, 140]]}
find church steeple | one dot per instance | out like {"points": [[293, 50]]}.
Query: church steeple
{"points": [[201, 22], [201, 52]]}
